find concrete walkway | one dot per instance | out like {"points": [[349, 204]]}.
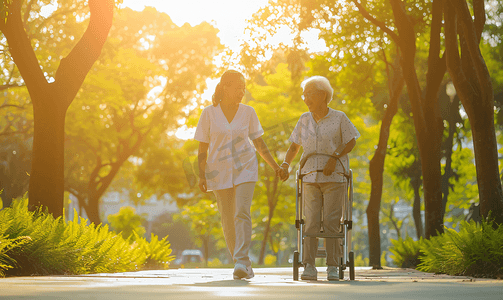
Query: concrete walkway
{"points": [[269, 283]]}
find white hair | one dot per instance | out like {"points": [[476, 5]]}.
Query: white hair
{"points": [[321, 83]]}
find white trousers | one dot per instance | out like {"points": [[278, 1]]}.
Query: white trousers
{"points": [[234, 205]]}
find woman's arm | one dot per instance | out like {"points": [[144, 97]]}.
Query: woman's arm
{"points": [[290, 155], [345, 149], [202, 155], [264, 152], [348, 147]]}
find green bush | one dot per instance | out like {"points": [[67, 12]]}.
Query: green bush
{"points": [[158, 252], [475, 250], [126, 221], [37, 243], [406, 253], [270, 260]]}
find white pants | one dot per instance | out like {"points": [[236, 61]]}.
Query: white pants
{"points": [[234, 205], [332, 194]]}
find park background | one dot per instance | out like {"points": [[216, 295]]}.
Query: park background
{"points": [[129, 159]]}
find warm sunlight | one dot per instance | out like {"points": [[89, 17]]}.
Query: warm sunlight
{"points": [[229, 17]]}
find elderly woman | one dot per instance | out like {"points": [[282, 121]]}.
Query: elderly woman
{"points": [[328, 131], [228, 163]]}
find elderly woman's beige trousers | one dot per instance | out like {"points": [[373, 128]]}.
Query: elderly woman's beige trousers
{"points": [[234, 206], [333, 195]]}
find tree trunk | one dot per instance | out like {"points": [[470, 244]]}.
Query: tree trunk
{"points": [[416, 207], [473, 86], [272, 200], [51, 100], [426, 111], [264, 241], [47, 171], [452, 118], [376, 168]]}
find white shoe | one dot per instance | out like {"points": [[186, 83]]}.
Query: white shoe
{"points": [[332, 273], [243, 272], [310, 273]]}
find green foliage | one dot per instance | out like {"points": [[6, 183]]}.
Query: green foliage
{"points": [[204, 220], [4, 10], [128, 223], [149, 72], [361, 261], [215, 263], [158, 251], [37, 243], [475, 250], [6, 246], [270, 260], [406, 252]]}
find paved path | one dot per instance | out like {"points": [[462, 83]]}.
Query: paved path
{"points": [[269, 283]]}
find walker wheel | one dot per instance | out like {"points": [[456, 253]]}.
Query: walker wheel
{"points": [[341, 269], [295, 265]]}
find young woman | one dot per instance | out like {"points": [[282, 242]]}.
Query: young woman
{"points": [[228, 163]]}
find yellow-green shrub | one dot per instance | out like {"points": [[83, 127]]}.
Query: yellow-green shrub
{"points": [[37, 243]]}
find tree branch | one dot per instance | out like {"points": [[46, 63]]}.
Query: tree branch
{"points": [[464, 19], [376, 22], [453, 60], [74, 68], [436, 71], [479, 13], [21, 50]]}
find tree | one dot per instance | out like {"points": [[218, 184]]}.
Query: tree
{"points": [[425, 109], [473, 85], [136, 94], [376, 165], [51, 99], [126, 221], [204, 220]]}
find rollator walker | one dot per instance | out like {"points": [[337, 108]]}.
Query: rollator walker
{"points": [[346, 224]]}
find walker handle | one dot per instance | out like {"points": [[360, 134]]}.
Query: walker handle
{"points": [[304, 160]]}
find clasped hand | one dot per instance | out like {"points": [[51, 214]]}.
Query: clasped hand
{"points": [[282, 173]]}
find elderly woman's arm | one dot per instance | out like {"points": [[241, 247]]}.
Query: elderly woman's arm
{"points": [[330, 166], [264, 152], [201, 158], [290, 155]]}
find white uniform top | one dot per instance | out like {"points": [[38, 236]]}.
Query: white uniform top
{"points": [[326, 136], [231, 158]]}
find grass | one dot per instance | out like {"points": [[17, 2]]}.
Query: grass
{"points": [[36, 243]]}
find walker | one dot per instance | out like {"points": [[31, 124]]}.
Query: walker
{"points": [[346, 224]]}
